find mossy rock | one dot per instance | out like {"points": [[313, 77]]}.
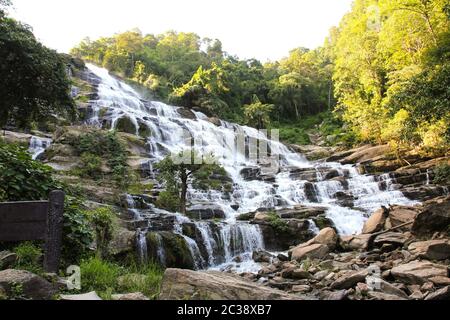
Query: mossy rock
{"points": [[144, 130], [125, 124], [177, 253]]}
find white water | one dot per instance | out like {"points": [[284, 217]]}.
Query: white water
{"points": [[38, 146], [117, 99]]}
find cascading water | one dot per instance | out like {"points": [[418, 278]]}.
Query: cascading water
{"points": [[38, 146], [118, 100]]}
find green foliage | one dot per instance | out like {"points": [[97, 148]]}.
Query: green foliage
{"points": [[176, 176], [77, 233], [389, 88], [258, 114], [34, 84], [278, 224], [102, 276], [102, 220], [97, 145], [442, 174], [169, 200], [29, 257], [22, 178], [91, 165]]}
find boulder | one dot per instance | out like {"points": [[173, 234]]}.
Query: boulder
{"points": [[262, 217], [376, 222], [186, 113], [432, 250], [391, 238], [125, 124], [262, 256], [181, 284], [387, 288], [349, 280], [327, 236], [314, 251], [122, 243], [31, 285], [250, 173], [384, 296], [435, 217], [7, 259], [359, 242], [441, 294], [366, 153], [418, 272], [399, 215], [440, 281]]}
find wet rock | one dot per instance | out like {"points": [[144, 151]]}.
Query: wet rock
{"points": [[310, 192], [262, 256], [432, 250], [176, 250], [282, 257], [32, 286], [435, 217], [251, 173], [376, 221], [205, 212], [180, 284], [441, 294], [125, 124], [314, 251], [186, 113], [418, 272]]}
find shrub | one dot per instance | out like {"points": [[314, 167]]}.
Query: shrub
{"points": [[91, 165], [442, 174], [278, 224], [169, 201], [102, 220], [29, 257], [22, 178]]}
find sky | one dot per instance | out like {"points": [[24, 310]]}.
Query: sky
{"points": [[262, 29]]}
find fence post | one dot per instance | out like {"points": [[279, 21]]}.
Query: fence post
{"points": [[53, 238]]}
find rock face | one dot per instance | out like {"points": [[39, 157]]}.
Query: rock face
{"points": [[433, 249], [205, 212], [435, 217], [210, 285], [418, 272], [31, 286]]}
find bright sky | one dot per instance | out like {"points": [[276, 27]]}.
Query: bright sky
{"points": [[262, 29]]}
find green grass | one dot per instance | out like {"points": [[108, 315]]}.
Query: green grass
{"points": [[102, 276], [29, 257]]}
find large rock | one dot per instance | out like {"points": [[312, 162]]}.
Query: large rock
{"points": [[441, 294], [376, 222], [434, 217], [31, 285], [399, 215], [7, 259], [174, 247], [180, 284], [418, 272], [365, 154], [314, 251], [359, 242], [432, 250], [349, 280], [327, 236], [205, 212], [122, 243], [393, 238]]}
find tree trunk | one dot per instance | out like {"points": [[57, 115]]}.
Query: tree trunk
{"points": [[184, 178]]}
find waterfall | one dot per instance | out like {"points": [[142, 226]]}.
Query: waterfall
{"points": [[38, 146], [279, 189], [141, 243]]}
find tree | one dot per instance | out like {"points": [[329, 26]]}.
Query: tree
{"points": [[34, 83], [178, 176], [258, 114]]}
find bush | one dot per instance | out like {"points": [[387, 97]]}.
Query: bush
{"points": [[102, 220], [91, 165], [169, 201], [442, 174], [29, 257], [77, 233], [21, 178]]}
